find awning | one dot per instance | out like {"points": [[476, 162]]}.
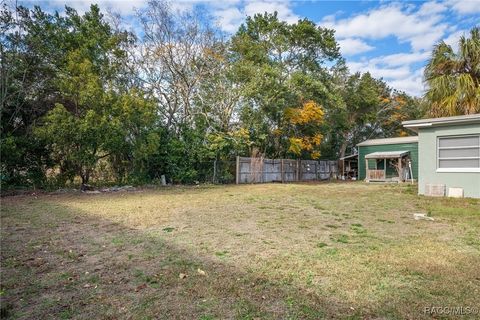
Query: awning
{"points": [[352, 156], [387, 154]]}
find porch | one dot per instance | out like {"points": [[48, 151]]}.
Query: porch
{"points": [[349, 167], [387, 166]]}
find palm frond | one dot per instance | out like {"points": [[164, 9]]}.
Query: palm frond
{"points": [[453, 78]]}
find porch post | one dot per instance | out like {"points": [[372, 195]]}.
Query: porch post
{"points": [[384, 168], [400, 170], [366, 170]]}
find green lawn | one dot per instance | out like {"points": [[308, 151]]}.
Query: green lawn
{"points": [[271, 251]]}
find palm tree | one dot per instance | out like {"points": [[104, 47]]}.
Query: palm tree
{"points": [[453, 78]]}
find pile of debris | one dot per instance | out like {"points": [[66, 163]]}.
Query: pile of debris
{"points": [[118, 188], [89, 189]]}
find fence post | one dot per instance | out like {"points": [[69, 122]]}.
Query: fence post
{"points": [[329, 169], [281, 170], [237, 171], [262, 168], [297, 171]]}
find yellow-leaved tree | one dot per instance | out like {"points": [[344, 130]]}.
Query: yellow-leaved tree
{"points": [[303, 126]]}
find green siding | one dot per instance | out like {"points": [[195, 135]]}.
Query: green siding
{"points": [[364, 150], [427, 138]]}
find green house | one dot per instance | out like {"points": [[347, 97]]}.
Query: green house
{"points": [[449, 155], [392, 159]]}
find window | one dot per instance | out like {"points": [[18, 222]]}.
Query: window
{"points": [[459, 153]]}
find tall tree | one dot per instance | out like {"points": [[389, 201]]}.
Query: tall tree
{"points": [[362, 99], [280, 66], [184, 66], [65, 101], [79, 130], [172, 59], [453, 78], [32, 48]]}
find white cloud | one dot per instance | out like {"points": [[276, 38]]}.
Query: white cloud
{"points": [[352, 46], [421, 27], [398, 75], [378, 71], [283, 8], [432, 7], [229, 19], [400, 71], [231, 14], [454, 37], [412, 85], [401, 59], [426, 41], [465, 7]]}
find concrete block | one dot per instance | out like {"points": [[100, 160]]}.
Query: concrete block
{"points": [[455, 192], [435, 190]]}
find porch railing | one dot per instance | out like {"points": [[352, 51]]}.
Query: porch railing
{"points": [[375, 174]]}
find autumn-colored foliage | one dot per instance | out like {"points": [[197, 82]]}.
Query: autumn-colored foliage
{"points": [[309, 113], [305, 121], [310, 144]]}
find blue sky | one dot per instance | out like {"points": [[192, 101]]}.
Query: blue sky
{"points": [[390, 39]]}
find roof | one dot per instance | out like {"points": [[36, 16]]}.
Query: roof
{"points": [[466, 119], [350, 157], [376, 142], [387, 154]]}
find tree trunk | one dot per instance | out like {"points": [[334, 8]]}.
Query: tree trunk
{"points": [[343, 148], [85, 177]]}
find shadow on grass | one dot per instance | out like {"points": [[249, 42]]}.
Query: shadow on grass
{"points": [[68, 264]]}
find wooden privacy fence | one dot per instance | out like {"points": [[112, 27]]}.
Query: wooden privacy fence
{"points": [[259, 170]]}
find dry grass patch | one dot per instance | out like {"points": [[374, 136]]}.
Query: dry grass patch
{"points": [[299, 251]]}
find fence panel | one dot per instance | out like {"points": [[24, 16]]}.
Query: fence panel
{"points": [[289, 170], [257, 170], [324, 170], [249, 170], [272, 170], [333, 167], [308, 170]]}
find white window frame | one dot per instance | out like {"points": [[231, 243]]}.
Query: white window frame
{"points": [[457, 158]]}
